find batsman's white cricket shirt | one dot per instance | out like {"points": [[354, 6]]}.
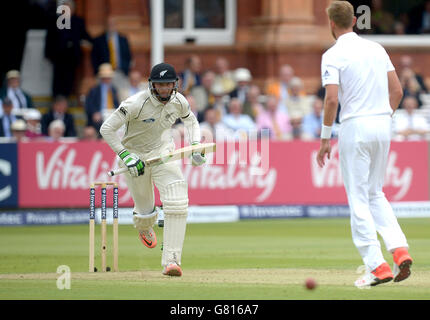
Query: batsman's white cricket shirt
{"points": [[359, 67]]}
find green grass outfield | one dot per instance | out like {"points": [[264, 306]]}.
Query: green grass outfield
{"points": [[264, 259]]}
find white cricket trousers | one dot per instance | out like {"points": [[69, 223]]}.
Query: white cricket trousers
{"points": [[364, 144]]}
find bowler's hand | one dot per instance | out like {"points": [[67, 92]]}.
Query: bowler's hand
{"points": [[325, 148]]}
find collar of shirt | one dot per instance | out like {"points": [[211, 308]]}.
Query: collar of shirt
{"points": [[347, 36]]}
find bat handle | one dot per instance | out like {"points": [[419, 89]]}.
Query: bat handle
{"points": [[117, 172]]}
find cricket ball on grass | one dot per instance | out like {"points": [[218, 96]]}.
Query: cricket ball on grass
{"points": [[310, 283]]}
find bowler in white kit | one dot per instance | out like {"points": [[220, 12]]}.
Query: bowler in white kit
{"points": [[148, 117], [359, 74]]}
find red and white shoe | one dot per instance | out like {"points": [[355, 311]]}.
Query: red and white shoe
{"points": [[380, 275], [148, 238], [402, 264], [173, 270]]}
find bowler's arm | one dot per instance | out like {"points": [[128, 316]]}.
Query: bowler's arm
{"points": [[330, 104], [395, 90]]}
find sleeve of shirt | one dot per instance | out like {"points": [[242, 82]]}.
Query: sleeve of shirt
{"points": [[329, 71], [111, 125]]}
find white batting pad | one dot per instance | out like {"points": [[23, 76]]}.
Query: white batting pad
{"points": [[175, 207]]}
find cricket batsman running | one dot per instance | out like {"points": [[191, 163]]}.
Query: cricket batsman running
{"points": [[148, 117], [360, 74]]}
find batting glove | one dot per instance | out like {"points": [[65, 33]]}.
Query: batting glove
{"points": [[135, 166], [197, 158]]}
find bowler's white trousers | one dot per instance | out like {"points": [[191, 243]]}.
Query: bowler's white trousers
{"points": [[364, 144]]}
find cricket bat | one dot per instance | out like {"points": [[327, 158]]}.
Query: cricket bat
{"points": [[172, 156]]}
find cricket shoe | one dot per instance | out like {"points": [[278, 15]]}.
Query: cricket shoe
{"points": [[402, 264], [148, 238], [173, 270], [380, 275]]}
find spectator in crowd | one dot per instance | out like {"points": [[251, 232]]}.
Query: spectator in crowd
{"points": [[224, 77], [212, 129], [281, 88], [425, 19], [399, 28], [135, 84], [410, 125], [191, 76], [89, 134], [219, 104], [202, 93], [194, 108], [382, 20], [312, 122], [7, 118], [59, 112], [20, 99], [56, 130], [274, 120], [252, 106], [112, 47], [236, 121], [18, 129], [34, 128], [296, 121], [297, 102], [410, 85], [102, 99], [406, 63], [242, 77], [63, 49]]}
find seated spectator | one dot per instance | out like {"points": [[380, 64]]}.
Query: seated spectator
{"points": [[56, 130], [18, 129], [410, 85], [419, 18], [406, 63], [382, 20], [296, 121], [89, 134], [7, 118], [135, 84], [242, 77], [410, 125], [112, 48], [202, 93], [194, 108], [219, 103], [237, 121], [252, 106], [191, 75], [20, 99], [223, 76], [425, 20], [312, 122], [297, 102], [212, 129], [59, 112], [281, 88], [102, 99], [274, 120], [34, 128]]}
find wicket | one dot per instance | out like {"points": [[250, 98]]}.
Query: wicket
{"points": [[103, 224]]}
